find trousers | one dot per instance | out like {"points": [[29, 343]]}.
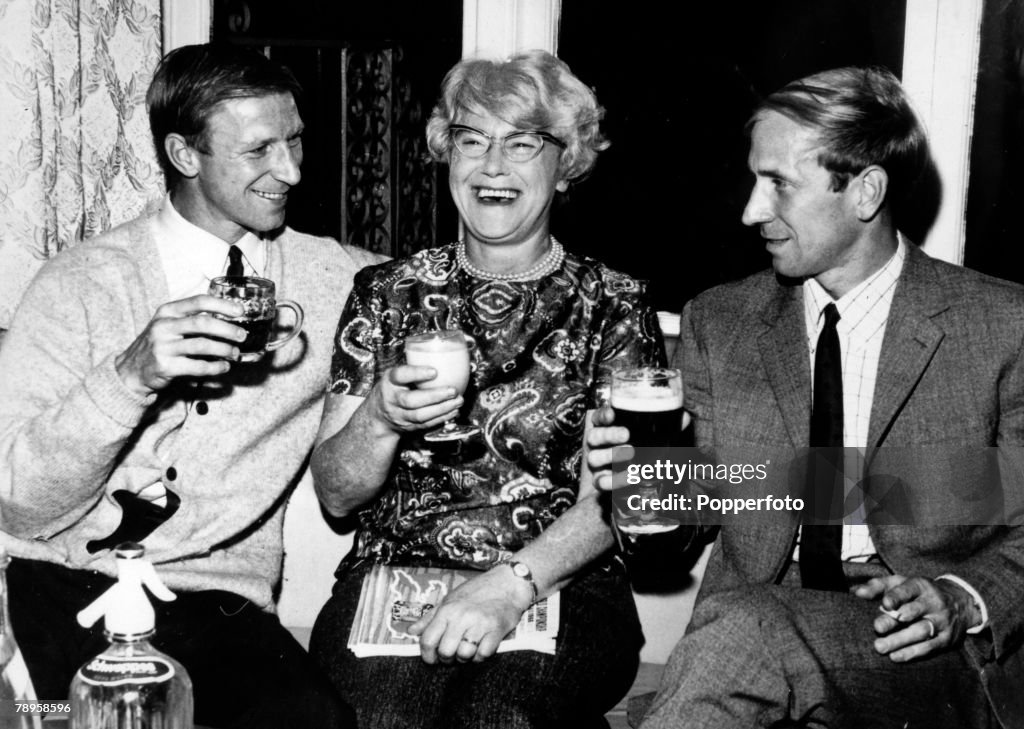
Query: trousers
{"points": [[784, 656]]}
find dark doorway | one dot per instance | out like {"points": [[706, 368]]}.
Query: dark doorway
{"points": [[997, 148], [371, 72], [678, 88]]}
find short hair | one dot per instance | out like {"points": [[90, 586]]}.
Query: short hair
{"points": [[862, 117], [531, 90], [191, 81]]}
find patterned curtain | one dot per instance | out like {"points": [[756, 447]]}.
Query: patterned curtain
{"points": [[75, 150]]}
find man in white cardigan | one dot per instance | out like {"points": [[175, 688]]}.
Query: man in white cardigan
{"points": [[125, 413]]}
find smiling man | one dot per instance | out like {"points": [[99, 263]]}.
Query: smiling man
{"points": [[869, 623], [126, 415]]}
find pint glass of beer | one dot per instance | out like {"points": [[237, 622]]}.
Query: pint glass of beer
{"points": [[649, 402]]}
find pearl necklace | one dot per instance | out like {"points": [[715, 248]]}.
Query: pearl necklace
{"points": [[550, 263]]}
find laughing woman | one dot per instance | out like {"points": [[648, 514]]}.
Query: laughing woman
{"points": [[511, 502]]}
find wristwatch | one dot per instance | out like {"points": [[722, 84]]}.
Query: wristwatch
{"points": [[523, 572]]}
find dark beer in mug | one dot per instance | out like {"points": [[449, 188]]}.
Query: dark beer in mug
{"points": [[257, 334], [258, 299]]}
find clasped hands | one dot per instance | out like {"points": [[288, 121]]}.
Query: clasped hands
{"points": [[473, 618]]}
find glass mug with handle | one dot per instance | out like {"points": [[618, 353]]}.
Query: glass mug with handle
{"points": [[258, 297], [447, 351], [649, 402]]}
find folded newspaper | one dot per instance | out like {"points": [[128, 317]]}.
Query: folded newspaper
{"points": [[393, 598]]}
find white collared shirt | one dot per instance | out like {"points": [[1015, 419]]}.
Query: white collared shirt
{"points": [[191, 256]]}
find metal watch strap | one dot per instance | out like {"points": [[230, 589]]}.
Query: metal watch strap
{"points": [[523, 572]]}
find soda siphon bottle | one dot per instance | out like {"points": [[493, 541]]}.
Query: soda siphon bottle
{"points": [[130, 685]]}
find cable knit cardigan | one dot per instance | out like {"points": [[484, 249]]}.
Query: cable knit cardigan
{"points": [[71, 434]]}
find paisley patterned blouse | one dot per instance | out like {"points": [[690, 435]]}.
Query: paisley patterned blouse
{"points": [[545, 350]]}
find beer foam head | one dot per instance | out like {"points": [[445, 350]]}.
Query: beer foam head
{"points": [[425, 343], [646, 398]]}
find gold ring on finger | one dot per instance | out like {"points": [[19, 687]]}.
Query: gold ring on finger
{"points": [[931, 626]]}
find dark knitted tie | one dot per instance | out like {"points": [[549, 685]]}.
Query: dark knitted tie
{"points": [[235, 267], [821, 566]]}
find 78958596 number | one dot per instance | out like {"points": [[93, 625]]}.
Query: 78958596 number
{"points": [[42, 708]]}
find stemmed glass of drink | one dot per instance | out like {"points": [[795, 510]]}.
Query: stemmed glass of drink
{"points": [[447, 351], [649, 402]]}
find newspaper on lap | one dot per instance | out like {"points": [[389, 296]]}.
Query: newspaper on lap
{"points": [[393, 598]]}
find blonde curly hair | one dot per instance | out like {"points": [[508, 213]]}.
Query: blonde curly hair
{"points": [[532, 90]]}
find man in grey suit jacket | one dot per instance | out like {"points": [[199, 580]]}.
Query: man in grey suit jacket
{"points": [[931, 359]]}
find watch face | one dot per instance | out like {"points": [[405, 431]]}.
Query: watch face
{"points": [[520, 570]]}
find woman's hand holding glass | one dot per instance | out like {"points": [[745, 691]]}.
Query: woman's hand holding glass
{"points": [[406, 402]]}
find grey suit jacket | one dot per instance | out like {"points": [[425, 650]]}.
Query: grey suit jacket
{"points": [[950, 376]]}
